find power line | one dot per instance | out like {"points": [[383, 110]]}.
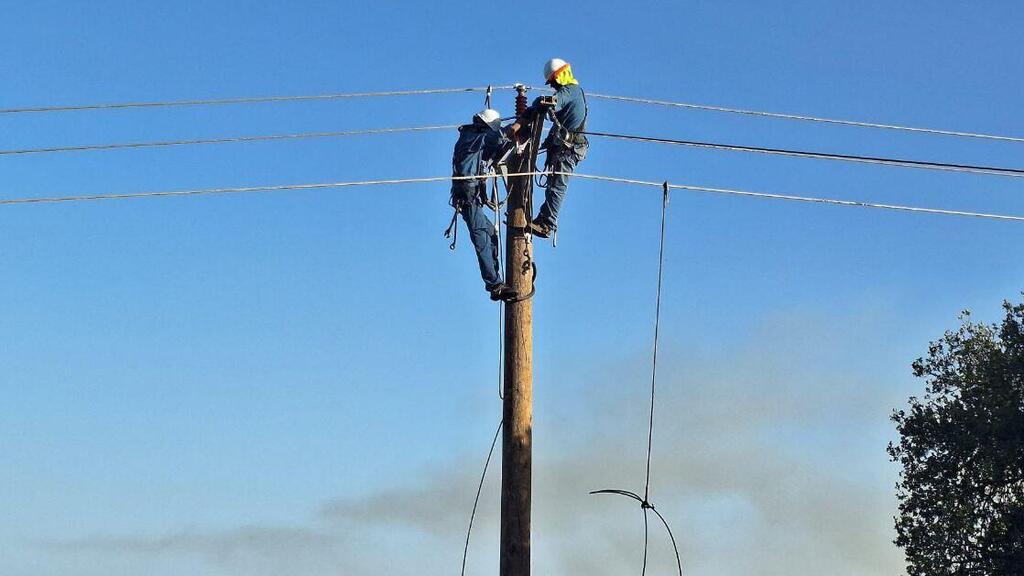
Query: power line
{"points": [[903, 163], [811, 199], [991, 170], [338, 96], [325, 185], [243, 100], [225, 140], [808, 118]]}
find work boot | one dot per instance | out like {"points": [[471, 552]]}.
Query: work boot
{"points": [[541, 229], [503, 292]]}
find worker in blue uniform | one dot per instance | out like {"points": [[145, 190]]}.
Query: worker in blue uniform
{"points": [[566, 146], [477, 148]]}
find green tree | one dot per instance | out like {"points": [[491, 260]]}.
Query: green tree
{"points": [[961, 490]]}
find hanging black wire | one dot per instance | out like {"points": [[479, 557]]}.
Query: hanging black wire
{"points": [[476, 501], [644, 500]]}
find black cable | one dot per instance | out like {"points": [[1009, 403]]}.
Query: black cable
{"points": [[992, 170], [644, 501], [657, 330], [648, 506], [476, 501], [679, 562]]}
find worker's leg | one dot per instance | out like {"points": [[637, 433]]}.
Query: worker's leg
{"points": [[485, 241], [562, 160]]}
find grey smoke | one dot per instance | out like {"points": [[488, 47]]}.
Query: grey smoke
{"points": [[769, 459]]}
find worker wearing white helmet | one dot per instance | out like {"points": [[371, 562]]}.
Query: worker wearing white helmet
{"points": [[476, 149], [566, 145]]}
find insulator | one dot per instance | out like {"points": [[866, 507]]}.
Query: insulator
{"points": [[521, 103]]}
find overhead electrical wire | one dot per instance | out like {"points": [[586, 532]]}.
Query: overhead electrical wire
{"points": [[225, 140], [902, 163], [328, 185], [806, 118], [897, 162], [486, 89], [243, 100], [811, 199]]}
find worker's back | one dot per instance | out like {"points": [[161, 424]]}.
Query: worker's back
{"points": [[571, 107], [474, 148]]}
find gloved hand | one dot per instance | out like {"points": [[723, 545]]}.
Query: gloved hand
{"points": [[540, 101]]}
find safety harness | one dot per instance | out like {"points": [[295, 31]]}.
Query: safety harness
{"points": [[481, 196], [564, 137]]}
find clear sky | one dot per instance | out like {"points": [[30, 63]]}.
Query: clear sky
{"points": [[304, 382]]}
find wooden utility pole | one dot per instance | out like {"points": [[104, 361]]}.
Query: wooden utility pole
{"points": [[517, 441]]}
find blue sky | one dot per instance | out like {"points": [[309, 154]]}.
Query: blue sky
{"points": [[303, 382]]}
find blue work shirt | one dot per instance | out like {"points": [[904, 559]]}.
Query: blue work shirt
{"points": [[571, 107], [571, 112], [474, 150]]}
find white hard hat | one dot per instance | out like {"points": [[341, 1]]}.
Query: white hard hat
{"points": [[553, 66], [490, 117]]}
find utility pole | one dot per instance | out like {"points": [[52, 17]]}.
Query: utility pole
{"points": [[517, 439]]}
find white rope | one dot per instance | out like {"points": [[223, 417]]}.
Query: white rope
{"points": [[197, 192], [808, 118], [801, 198], [263, 138], [246, 100]]}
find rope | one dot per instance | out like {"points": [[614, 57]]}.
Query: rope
{"points": [[645, 503], [501, 350], [496, 199], [476, 501], [995, 171], [246, 100], [232, 139], [198, 192], [809, 118]]}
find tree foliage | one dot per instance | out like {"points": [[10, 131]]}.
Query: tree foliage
{"points": [[961, 489]]}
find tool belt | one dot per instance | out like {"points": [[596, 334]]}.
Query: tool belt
{"points": [[560, 137]]}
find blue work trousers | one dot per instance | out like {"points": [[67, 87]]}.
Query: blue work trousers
{"points": [[481, 232], [560, 159]]}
